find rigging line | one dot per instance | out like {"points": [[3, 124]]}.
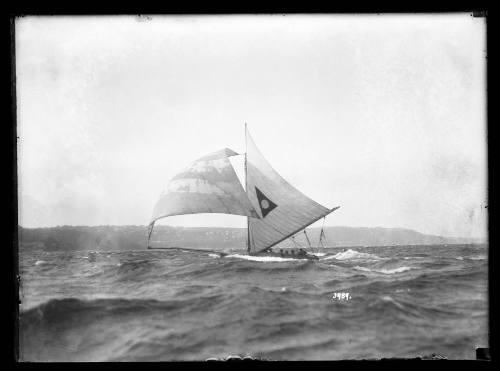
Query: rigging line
{"points": [[307, 238], [322, 233], [246, 191], [295, 242]]}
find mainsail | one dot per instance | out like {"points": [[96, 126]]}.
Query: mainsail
{"points": [[208, 185], [283, 209]]}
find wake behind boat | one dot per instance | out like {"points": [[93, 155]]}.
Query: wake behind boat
{"points": [[275, 210]]}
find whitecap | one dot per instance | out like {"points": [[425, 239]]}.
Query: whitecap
{"points": [[329, 257], [353, 255], [478, 257], [214, 255], [38, 262], [318, 253], [402, 290], [384, 271], [389, 299], [395, 270]]}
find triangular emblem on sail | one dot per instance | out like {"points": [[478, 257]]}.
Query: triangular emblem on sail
{"points": [[208, 185], [266, 205], [294, 212]]}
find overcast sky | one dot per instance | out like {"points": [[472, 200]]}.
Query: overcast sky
{"points": [[382, 115]]}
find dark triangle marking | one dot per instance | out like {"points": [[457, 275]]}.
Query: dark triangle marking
{"points": [[265, 204]]}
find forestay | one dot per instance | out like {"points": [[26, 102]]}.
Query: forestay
{"points": [[208, 185], [283, 209]]}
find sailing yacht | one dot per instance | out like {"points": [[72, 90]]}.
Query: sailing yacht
{"points": [[275, 210]]}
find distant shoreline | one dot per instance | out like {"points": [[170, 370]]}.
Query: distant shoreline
{"points": [[129, 238]]}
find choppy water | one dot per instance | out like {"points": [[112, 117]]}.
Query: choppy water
{"points": [[404, 301]]}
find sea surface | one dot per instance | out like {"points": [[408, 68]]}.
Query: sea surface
{"points": [[400, 301]]}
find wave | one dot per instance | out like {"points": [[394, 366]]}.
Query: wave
{"points": [[38, 262], [353, 255], [172, 305], [384, 271], [71, 329], [405, 310], [63, 311]]}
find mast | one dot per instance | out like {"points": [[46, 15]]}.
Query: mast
{"points": [[246, 190]]}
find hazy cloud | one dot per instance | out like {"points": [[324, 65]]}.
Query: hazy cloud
{"points": [[383, 115]]}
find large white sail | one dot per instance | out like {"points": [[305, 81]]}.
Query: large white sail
{"points": [[208, 185], [283, 209]]}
